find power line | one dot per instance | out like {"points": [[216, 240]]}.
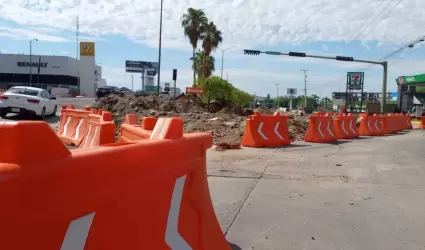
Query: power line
{"points": [[363, 24]]}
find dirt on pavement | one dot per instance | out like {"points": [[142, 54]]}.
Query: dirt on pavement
{"points": [[227, 124]]}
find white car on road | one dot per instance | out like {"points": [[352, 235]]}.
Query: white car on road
{"points": [[27, 100]]}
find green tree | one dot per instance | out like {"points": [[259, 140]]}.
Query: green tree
{"points": [[211, 38], [198, 64], [241, 97], [193, 23]]}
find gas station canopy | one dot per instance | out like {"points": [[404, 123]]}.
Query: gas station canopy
{"points": [[411, 80]]}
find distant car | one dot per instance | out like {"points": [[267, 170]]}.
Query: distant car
{"points": [[27, 100], [107, 90], [140, 93]]}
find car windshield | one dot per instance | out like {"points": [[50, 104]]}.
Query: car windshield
{"points": [[23, 91]]}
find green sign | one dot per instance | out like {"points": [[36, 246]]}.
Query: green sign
{"points": [[410, 79], [355, 80], [152, 89]]}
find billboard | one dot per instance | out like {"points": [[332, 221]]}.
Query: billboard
{"points": [[140, 66]]}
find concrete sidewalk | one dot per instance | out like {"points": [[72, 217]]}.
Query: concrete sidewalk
{"points": [[361, 194]]}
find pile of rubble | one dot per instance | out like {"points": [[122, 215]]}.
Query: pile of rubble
{"points": [[227, 124]]}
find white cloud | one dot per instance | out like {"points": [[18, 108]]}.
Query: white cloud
{"points": [[247, 22], [42, 34]]}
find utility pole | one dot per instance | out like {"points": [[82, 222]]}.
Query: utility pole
{"points": [[132, 86], [305, 86], [277, 94], [159, 49]]}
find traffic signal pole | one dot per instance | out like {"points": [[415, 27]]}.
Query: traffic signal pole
{"points": [[338, 58]]}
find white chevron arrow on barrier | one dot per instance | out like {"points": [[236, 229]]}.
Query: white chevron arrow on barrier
{"points": [[260, 127], [376, 126], [65, 127], [329, 129], [343, 127], [351, 127], [368, 125], [320, 130], [76, 235], [172, 236], [276, 131]]}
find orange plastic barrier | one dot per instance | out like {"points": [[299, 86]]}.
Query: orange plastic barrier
{"points": [[131, 130], [422, 122], [73, 125], [266, 131], [321, 129], [345, 127], [370, 125], [119, 196], [101, 129]]}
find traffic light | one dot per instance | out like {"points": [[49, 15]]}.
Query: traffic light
{"points": [[298, 54], [251, 52], [275, 53], [174, 74], [344, 58]]}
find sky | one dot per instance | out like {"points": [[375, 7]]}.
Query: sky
{"points": [[129, 30]]}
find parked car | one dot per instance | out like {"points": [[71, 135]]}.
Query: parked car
{"points": [[27, 100], [107, 90]]}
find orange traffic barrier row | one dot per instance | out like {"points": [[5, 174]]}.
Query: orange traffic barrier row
{"points": [[85, 128], [117, 196], [131, 130], [321, 129], [345, 126], [370, 125], [266, 131]]}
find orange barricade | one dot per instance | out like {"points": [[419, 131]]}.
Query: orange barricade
{"points": [[422, 122], [345, 127], [73, 125], [266, 131], [321, 129], [118, 196], [101, 129], [131, 130], [370, 125], [409, 122]]}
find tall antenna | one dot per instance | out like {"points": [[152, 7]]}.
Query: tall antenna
{"points": [[77, 34]]}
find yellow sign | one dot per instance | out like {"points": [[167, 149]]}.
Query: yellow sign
{"points": [[86, 49]]}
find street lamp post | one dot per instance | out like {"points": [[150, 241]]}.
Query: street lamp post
{"points": [[35, 40], [160, 46], [222, 59]]}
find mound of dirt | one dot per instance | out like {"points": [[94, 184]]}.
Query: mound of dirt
{"points": [[226, 125]]}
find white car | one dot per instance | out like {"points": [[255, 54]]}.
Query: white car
{"points": [[27, 100]]}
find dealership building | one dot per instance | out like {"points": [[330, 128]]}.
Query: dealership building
{"points": [[80, 76]]}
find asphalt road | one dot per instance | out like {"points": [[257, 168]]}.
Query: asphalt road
{"points": [[361, 194]]}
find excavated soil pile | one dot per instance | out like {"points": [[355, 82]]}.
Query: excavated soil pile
{"points": [[227, 124]]}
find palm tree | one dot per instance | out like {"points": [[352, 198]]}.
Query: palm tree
{"points": [[211, 38], [198, 64], [193, 22]]}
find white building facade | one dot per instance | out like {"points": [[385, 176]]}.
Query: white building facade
{"points": [[79, 76]]}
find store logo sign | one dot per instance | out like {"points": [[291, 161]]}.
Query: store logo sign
{"points": [[410, 79], [33, 64]]}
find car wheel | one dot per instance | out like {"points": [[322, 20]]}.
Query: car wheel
{"points": [[54, 111], [3, 114], [43, 114]]}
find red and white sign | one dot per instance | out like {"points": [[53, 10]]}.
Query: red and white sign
{"points": [[194, 91], [401, 80], [355, 79]]}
